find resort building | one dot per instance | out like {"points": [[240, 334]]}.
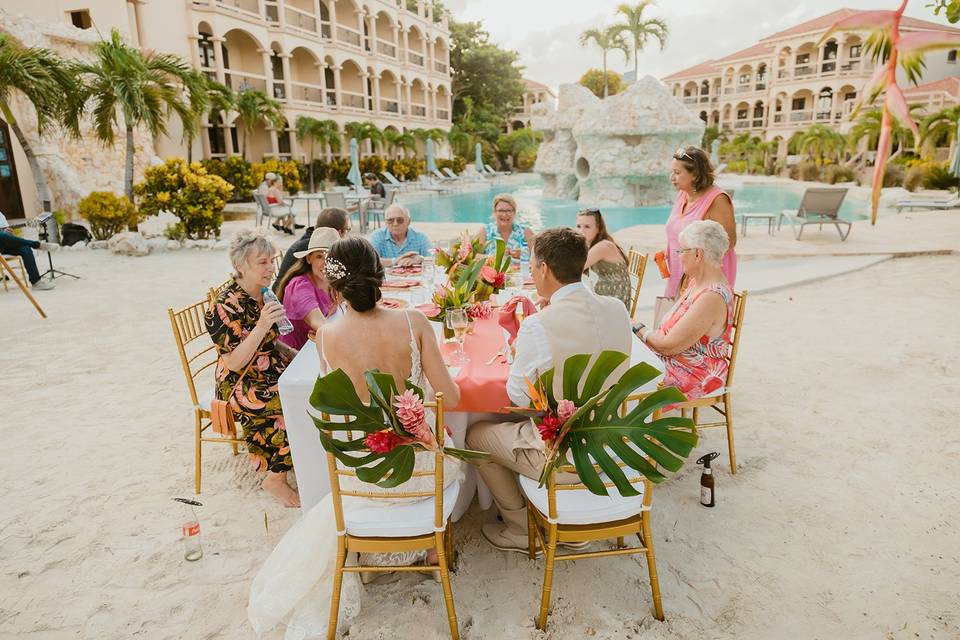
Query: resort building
{"points": [[384, 61], [785, 83], [534, 94]]}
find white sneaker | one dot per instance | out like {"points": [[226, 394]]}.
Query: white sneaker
{"points": [[49, 246], [42, 285]]}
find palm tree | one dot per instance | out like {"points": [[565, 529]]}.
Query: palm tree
{"points": [[365, 130], [407, 143], [607, 39], [253, 108], [641, 29], [820, 142], [140, 88], [868, 127], [940, 129], [460, 141], [47, 83], [199, 107], [323, 132], [390, 137]]}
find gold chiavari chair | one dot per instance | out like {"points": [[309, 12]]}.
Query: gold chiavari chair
{"points": [[636, 265], [14, 261], [719, 401], [569, 513], [421, 525], [195, 358], [215, 291]]}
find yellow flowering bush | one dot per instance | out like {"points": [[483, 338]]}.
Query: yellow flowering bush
{"points": [[236, 171], [288, 170], [187, 191], [108, 214]]}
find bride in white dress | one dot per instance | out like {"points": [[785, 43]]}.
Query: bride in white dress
{"points": [[294, 585]]}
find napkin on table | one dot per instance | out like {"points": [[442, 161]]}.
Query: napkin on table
{"points": [[508, 314]]}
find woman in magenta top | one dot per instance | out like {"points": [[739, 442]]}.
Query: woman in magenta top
{"points": [[691, 174], [304, 291]]}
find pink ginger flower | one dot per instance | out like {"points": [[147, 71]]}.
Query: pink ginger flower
{"points": [[489, 274], [565, 409], [411, 415]]}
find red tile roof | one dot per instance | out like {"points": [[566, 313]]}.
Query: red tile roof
{"points": [[950, 86], [823, 22], [755, 51], [533, 85], [701, 69]]}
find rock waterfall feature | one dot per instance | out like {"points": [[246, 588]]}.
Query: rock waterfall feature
{"points": [[613, 152]]}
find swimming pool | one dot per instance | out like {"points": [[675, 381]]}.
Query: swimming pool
{"points": [[543, 213]]}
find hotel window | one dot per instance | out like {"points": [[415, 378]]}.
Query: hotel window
{"points": [[798, 104], [81, 19], [741, 114], [803, 58], [855, 51], [952, 56], [744, 78], [205, 46]]}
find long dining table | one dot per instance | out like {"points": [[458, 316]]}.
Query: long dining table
{"points": [[483, 396]]}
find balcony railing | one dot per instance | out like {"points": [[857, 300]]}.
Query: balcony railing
{"points": [[728, 90], [301, 20], [271, 11], [352, 100], [418, 110], [326, 31], [332, 98], [704, 99], [303, 92], [744, 88], [690, 100], [783, 74], [387, 48], [823, 115], [801, 116], [758, 123], [246, 6], [279, 91], [389, 106], [348, 35], [778, 118], [741, 124], [415, 58], [440, 67], [239, 81], [443, 114], [828, 67], [804, 70]]}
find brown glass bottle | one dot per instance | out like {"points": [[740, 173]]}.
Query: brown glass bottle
{"points": [[707, 495]]}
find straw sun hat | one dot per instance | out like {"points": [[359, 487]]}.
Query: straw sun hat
{"points": [[320, 240]]}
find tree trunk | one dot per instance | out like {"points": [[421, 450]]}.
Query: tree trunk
{"points": [[128, 171], [40, 180], [606, 88], [312, 189]]}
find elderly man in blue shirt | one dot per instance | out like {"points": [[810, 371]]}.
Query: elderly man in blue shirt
{"points": [[397, 243]]}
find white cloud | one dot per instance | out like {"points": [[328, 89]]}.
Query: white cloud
{"points": [[545, 32]]}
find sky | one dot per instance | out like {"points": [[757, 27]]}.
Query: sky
{"points": [[545, 32]]}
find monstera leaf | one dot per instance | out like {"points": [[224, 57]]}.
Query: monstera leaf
{"points": [[597, 434], [335, 395]]}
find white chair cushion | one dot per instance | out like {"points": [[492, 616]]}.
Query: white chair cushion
{"points": [[582, 507], [205, 399], [395, 518]]}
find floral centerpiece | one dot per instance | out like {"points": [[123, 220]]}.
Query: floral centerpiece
{"points": [[458, 294], [493, 273], [463, 252], [394, 423], [586, 424]]}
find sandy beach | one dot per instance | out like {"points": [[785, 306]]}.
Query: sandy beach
{"points": [[841, 523]]}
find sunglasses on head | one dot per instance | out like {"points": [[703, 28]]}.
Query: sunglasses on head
{"points": [[593, 211], [681, 153]]}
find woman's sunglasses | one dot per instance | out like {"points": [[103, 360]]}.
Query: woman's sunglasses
{"points": [[681, 153]]}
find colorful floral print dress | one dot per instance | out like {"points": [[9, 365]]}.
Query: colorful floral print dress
{"points": [[700, 369], [517, 240], [256, 402]]}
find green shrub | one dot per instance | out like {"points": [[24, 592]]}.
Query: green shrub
{"points": [[406, 168], [526, 159], [893, 175], [188, 192], [806, 171], [236, 171], [939, 177], [839, 173], [737, 166], [915, 177], [176, 232], [108, 214], [372, 164], [288, 170], [455, 164]]}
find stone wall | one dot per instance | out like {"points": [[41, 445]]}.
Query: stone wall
{"points": [[73, 168], [613, 152]]}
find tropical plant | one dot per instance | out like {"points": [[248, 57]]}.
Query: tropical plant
{"points": [[597, 82], [458, 292], [748, 154], [187, 191], [493, 273], [821, 143], [287, 170], [586, 423], [711, 134], [950, 8], [237, 172], [108, 214], [322, 132], [869, 127], [130, 88], [361, 131], [47, 83], [192, 128], [640, 29], [390, 137], [888, 47], [608, 39], [407, 143], [462, 252], [435, 134], [839, 173], [394, 423], [519, 141], [460, 141], [939, 129], [256, 108]]}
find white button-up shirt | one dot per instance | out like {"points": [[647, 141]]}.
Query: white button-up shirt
{"points": [[533, 355]]}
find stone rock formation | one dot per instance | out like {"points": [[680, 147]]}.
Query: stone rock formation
{"points": [[129, 243], [613, 152]]}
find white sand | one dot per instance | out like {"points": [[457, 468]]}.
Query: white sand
{"points": [[842, 522]]}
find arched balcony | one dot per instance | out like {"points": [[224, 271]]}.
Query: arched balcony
{"points": [[758, 119], [386, 35], [745, 79], [418, 99], [277, 72], [828, 56], [441, 56], [801, 107], [390, 95], [352, 86], [742, 120], [305, 79], [824, 105], [690, 92], [416, 55], [243, 62], [348, 20], [443, 104], [805, 61], [784, 63]]}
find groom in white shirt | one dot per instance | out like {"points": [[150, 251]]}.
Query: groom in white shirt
{"points": [[573, 320]]}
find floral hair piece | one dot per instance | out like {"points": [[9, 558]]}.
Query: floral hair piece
{"points": [[335, 270]]}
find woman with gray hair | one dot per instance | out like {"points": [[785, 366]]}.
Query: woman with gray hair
{"points": [[244, 331], [693, 340]]}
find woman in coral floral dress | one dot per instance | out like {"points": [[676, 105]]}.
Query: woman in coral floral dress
{"points": [[694, 339]]}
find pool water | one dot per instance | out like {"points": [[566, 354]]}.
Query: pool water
{"points": [[542, 213]]}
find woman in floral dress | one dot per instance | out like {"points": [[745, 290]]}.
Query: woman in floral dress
{"points": [[504, 226], [244, 332]]}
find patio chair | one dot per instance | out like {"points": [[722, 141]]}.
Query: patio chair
{"points": [[338, 200], [377, 208], [636, 266], [819, 206], [930, 204], [409, 526], [266, 210], [195, 358], [14, 261], [570, 514]]}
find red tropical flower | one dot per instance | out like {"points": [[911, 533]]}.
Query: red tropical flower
{"points": [[549, 427], [382, 441]]}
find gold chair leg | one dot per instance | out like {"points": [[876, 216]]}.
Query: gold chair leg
{"points": [[728, 409], [548, 576], [236, 450], [696, 414], [621, 543], [337, 583], [442, 560], [448, 545], [531, 535], [652, 565], [197, 456]]}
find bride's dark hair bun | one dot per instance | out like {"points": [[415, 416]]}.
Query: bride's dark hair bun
{"points": [[360, 286]]}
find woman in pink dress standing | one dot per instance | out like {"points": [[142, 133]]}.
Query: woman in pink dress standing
{"points": [[691, 174]]}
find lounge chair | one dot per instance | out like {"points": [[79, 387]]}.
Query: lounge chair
{"points": [[495, 173], [444, 179], [463, 176], [920, 203], [819, 206], [426, 184], [393, 182]]}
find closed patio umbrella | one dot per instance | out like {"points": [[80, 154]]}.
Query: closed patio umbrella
{"points": [[479, 161], [955, 167], [431, 161], [354, 175]]}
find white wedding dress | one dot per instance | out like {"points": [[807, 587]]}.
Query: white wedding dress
{"points": [[295, 582]]}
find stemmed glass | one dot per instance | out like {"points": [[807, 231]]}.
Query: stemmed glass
{"points": [[457, 321]]}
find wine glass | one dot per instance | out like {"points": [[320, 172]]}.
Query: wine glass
{"points": [[457, 321]]}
